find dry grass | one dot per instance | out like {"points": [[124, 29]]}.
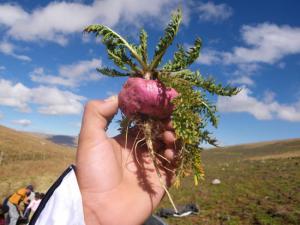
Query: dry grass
{"points": [[260, 183], [26, 158]]}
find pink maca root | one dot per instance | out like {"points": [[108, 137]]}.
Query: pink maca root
{"points": [[146, 97]]}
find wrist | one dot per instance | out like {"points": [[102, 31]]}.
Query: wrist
{"points": [[91, 216]]}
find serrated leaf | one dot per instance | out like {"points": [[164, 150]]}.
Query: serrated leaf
{"points": [[182, 59], [114, 39], [111, 72], [143, 45], [164, 42]]}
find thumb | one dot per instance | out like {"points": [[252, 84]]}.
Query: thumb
{"points": [[96, 117]]}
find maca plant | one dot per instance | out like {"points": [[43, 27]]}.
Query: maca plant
{"points": [[154, 92]]}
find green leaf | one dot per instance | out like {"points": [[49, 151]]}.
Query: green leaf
{"points": [[208, 111], [208, 139], [207, 84], [164, 42], [143, 45], [111, 72], [113, 40], [117, 58], [125, 124], [182, 59]]}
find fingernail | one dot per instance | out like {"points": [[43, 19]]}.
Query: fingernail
{"points": [[111, 98]]}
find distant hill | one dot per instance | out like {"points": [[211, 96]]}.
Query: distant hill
{"points": [[66, 140], [255, 151]]}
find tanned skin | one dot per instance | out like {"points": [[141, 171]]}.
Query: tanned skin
{"points": [[118, 182]]}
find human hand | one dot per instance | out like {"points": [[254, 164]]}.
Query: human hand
{"points": [[119, 185]]}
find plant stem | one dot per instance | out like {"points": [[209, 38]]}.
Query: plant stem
{"points": [[148, 75]]}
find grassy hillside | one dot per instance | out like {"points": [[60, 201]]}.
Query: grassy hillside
{"points": [[260, 184], [26, 158]]}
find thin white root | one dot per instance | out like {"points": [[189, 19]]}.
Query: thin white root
{"points": [[135, 153], [126, 141], [172, 171], [132, 149], [126, 136], [147, 133], [164, 158]]}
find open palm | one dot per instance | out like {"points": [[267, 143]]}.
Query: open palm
{"points": [[118, 183]]}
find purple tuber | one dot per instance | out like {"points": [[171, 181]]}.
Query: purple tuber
{"points": [[146, 97]]}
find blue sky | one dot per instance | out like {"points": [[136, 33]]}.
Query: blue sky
{"points": [[47, 66]]}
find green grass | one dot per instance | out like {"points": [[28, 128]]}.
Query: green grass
{"points": [[260, 184]]}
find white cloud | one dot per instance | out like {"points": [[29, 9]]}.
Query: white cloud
{"points": [[265, 109], [80, 70], [22, 122], [11, 13], [53, 101], [269, 96], [242, 80], [209, 57], [243, 74], [248, 68], [14, 95], [49, 100], [263, 43], [69, 75], [290, 113], [9, 49], [38, 75], [268, 43], [58, 19], [2, 68], [213, 12], [243, 102]]}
